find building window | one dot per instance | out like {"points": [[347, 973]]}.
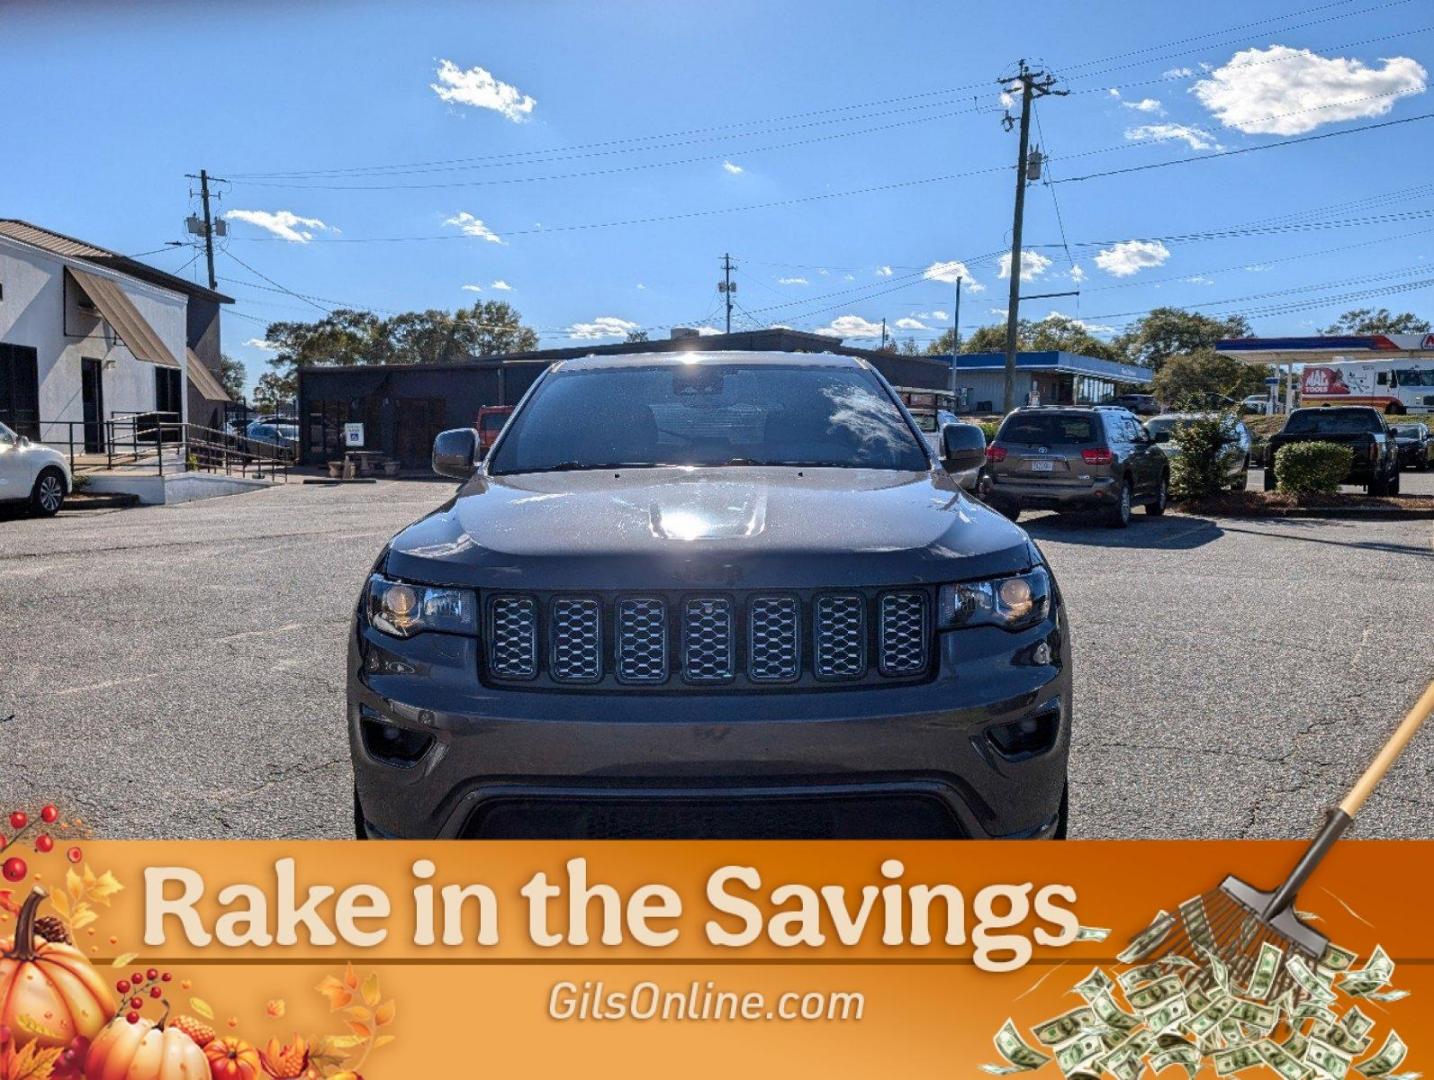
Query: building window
{"points": [[20, 389]]}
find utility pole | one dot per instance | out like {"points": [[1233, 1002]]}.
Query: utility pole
{"points": [[208, 228], [1031, 85], [883, 331], [955, 335], [727, 287]]}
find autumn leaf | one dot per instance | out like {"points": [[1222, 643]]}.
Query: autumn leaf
{"points": [[337, 993], [7, 902], [103, 888], [359, 1013], [363, 1031], [123, 960], [351, 979], [276, 1008], [384, 1014], [84, 915], [202, 1007], [371, 993], [74, 885], [33, 1063], [383, 1040]]}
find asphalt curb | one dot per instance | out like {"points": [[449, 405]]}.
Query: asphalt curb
{"points": [[1348, 513]]}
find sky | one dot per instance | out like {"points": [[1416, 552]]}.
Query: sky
{"points": [[591, 164]]}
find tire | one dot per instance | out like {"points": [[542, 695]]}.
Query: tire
{"points": [[1162, 496], [1118, 517], [1377, 486], [1063, 816], [48, 494]]}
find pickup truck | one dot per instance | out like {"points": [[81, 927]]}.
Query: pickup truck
{"points": [[1361, 428]]}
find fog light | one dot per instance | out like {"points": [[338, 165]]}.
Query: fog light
{"points": [[1041, 655], [1028, 737], [394, 745]]}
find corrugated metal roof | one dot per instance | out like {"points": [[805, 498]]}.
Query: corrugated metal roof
{"points": [[119, 311], [204, 381], [49, 241], [70, 248]]}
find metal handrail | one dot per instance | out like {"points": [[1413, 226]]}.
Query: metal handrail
{"points": [[135, 435]]}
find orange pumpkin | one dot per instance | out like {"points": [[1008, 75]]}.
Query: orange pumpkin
{"points": [[232, 1059], [144, 1051], [49, 994]]}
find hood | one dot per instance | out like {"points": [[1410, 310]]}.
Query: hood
{"points": [[680, 528]]}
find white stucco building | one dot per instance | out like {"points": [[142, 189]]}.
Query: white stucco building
{"points": [[89, 336]]}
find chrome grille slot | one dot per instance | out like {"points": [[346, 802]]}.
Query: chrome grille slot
{"points": [[840, 636], [707, 639], [903, 633], [576, 641], [641, 640], [513, 637], [774, 650]]}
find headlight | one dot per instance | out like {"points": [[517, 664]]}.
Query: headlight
{"points": [[404, 610], [1010, 602]]}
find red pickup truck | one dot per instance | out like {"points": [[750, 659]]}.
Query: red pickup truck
{"points": [[491, 419]]}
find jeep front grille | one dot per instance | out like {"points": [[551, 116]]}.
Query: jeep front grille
{"points": [[721, 641]]}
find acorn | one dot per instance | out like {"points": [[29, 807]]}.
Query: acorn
{"points": [[53, 930]]}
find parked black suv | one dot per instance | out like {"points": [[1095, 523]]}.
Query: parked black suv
{"points": [[710, 595], [1072, 457], [1376, 453]]}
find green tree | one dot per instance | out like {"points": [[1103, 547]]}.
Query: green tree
{"points": [[231, 376], [1054, 332], [1205, 379], [635, 336], [273, 391], [1369, 321], [1169, 331]]}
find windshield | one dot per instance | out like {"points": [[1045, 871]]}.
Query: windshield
{"points": [[709, 414], [1050, 429], [7, 434], [1161, 424], [1408, 431], [1332, 422]]}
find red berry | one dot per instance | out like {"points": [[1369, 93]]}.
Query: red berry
{"points": [[166, 977], [132, 1017], [14, 869], [122, 986], [19, 819], [136, 1003], [44, 844], [49, 815], [74, 854], [137, 978], [155, 991], [152, 974]]}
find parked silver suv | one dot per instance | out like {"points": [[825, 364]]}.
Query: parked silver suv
{"points": [[1075, 458]]}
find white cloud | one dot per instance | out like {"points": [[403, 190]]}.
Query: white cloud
{"points": [[478, 88], [850, 326], [1195, 138], [999, 312], [735, 170], [1114, 91], [1145, 105], [949, 272], [1033, 265], [1302, 90], [911, 324], [793, 281], [473, 226], [1131, 256], [707, 331], [285, 224], [261, 345], [1077, 273], [883, 271], [1090, 328], [501, 286], [1177, 73], [640, 285], [1200, 279], [934, 316], [848, 277], [473, 288], [604, 326]]}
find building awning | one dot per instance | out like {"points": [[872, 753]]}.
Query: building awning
{"points": [[210, 388], [119, 311]]}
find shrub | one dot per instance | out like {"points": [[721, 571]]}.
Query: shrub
{"points": [[1312, 468], [1197, 471], [989, 427]]}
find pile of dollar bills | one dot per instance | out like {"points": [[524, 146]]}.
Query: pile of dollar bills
{"points": [[1189, 1010]]}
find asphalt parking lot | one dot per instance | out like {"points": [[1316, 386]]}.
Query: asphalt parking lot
{"points": [[177, 671]]}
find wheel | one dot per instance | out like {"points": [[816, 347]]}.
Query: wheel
{"points": [[48, 494], [1063, 816], [1162, 496], [1377, 486], [1119, 515]]}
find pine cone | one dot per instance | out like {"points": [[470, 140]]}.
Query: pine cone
{"points": [[52, 929]]}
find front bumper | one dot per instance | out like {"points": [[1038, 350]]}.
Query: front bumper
{"points": [[886, 762]]}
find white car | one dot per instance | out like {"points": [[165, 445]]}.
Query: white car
{"points": [[32, 473]]}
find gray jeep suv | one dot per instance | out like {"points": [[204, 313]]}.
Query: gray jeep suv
{"points": [[710, 595], [1073, 457]]}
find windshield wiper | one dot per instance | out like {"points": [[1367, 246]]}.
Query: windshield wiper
{"points": [[585, 466]]}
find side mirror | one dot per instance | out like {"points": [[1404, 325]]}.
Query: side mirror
{"points": [[23, 442], [455, 453], [963, 447]]}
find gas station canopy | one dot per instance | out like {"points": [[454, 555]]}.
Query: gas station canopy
{"points": [[1307, 350]]}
